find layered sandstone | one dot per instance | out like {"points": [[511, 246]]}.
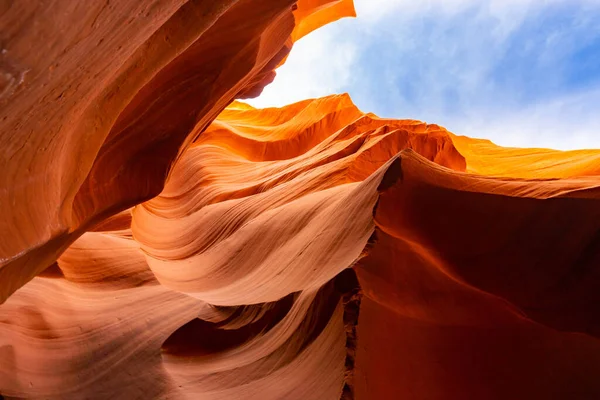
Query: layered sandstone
{"points": [[312, 251], [98, 100], [229, 283]]}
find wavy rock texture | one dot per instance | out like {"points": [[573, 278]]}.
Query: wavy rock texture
{"points": [[308, 252], [233, 282], [98, 99], [481, 288]]}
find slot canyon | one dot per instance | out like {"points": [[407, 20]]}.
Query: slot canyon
{"points": [[162, 238]]}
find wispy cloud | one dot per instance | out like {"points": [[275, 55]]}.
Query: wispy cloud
{"points": [[519, 72], [318, 65]]}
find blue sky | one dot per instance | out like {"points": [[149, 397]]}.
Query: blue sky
{"points": [[522, 73]]}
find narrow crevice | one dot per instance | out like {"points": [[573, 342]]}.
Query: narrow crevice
{"points": [[393, 174], [347, 283], [199, 337]]}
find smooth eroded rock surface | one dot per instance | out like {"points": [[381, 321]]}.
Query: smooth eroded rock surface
{"points": [[161, 240]]}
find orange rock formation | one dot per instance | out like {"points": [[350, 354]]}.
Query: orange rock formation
{"points": [[99, 99], [307, 252]]}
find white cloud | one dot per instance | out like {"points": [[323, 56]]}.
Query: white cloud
{"points": [[413, 76], [560, 123], [318, 66], [378, 9]]}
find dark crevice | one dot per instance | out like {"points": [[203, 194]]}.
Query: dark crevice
{"points": [[199, 337], [347, 283], [53, 271], [319, 314], [393, 174]]}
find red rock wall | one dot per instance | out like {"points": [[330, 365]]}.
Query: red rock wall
{"points": [[168, 254], [100, 98]]}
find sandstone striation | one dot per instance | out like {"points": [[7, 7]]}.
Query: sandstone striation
{"points": [[100, 98], [161, 240]]}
